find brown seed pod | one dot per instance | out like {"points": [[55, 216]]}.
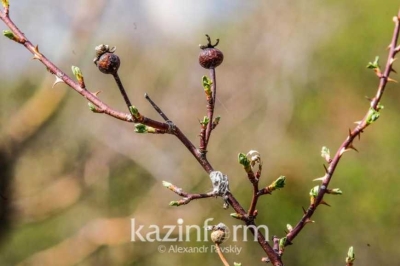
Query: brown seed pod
{"points": [[218, 236], [108, 63], [210, 57]]}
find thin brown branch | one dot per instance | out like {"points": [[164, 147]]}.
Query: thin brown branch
{"points": [[254, 199], [211, 106], [187, 197], [221, 255], [53, 69], [101, 107], [122, 90], [348, 143], [205, 132]]}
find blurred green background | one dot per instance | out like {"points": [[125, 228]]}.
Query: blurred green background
{"points": [[293, 80]]}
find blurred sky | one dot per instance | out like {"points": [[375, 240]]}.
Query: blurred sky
{"points": [[152, 21]]}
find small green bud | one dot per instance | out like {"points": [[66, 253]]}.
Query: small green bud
{"points": [[205, 121], [279, 183], [314, 191], [134, 111], [10, 35], [216, 121], [92, 107], [5, 3], [335, 191], [207, 85], [236, 216], [166, 184], [325, 153], [282, 243], [289, 227], [140, 128], [375, 64], [174, 203], [243, 160], [237, 264], [372, 116], [77, 73], [351, 256]]}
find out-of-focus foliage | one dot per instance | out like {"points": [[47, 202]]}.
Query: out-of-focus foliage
{"points": [[293, 80]]}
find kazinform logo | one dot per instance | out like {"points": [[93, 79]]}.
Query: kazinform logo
{"points": [[180, 232]]}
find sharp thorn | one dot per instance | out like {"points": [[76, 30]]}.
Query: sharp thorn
{"points": [[326, 169], [319, 178], [308, 220], [58, 80], [35, 56], [369, 99], [96, 93], [352, 147], [324, 203]]}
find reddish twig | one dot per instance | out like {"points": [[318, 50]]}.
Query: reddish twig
{"points": [[206, 128], [254, 199], [53, 69], [211, 106], [348, 143], [101, 107], [221, 255], [187, 197]]}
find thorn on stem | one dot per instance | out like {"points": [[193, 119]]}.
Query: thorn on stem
{"points": [[326, 169], [58, 80], [352, 147]]}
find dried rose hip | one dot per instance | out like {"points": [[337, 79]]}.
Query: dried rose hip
{"points": [[106, 60], [210, 57]]}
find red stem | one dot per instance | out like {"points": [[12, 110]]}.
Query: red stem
{"points": [[104, 108], [211, 107], [352, 135]]}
